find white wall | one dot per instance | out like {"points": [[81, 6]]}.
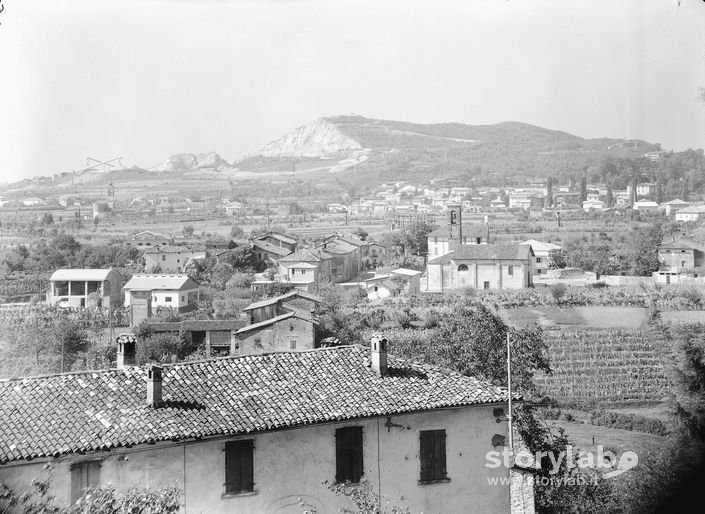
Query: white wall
{"points": [[292, 464]]}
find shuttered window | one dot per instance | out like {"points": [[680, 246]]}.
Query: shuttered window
{"points": [[432, 454], [83, 476], [239, 467], [348, 454]]}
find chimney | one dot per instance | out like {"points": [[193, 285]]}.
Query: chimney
{"points": [[378, 345], [154, 386], [125, 350]]}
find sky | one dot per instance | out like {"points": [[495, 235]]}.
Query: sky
{"points": [[147, 79]]}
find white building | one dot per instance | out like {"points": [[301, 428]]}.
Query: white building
{"points": [[674, 206], [645, 206], [546, 255], [692, 213], [170, 258], [145, 293], [73, 287], [593, 205]]}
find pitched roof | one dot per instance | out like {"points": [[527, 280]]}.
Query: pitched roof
{"points": [[338, 246], [306, 316], [198, 325], [693, 209], [147, 234], [541, 245], [263, 245], [306, 255], [278, 235], [406, 272], [469, 230], [683, 243], [81, 274], [175, 249], [485, 252], [99, 410], [677, 201], [280, 298], [146, 282]]}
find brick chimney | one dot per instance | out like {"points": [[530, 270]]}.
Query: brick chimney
{"points": [[126, 350], [154, 386], [378, 346]]}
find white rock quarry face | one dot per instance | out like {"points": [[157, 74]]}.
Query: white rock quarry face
{"points": [[189, 161], [317, 139]]}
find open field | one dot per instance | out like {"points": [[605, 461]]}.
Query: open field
{"points": [[581, 435], [578, 317]]}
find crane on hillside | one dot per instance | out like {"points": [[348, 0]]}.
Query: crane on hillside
{"points": [[92, 165]]}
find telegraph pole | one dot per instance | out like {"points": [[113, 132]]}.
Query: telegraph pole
{"points": [[509, 390]]}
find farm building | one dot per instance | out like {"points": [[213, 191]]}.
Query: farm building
{"points": [[691, 213], [72, 287], [645, 206], [149, 239], [170, 258], [265, 434], [546, 255], [481, 267], [145, 293], [673, 206], [680, 255]]}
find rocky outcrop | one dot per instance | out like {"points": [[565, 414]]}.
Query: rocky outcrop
{"points": [[320, 138], [189, 161]]}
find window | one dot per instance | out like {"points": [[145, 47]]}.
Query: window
{"points": [[239, 467], [183, 298], [538, 260], [348, 454], [167, 299], [463, 267], [163, 257], [486, 285], [292, 344], [83, 476], [478, 240], [510, 270], [432, 454]]}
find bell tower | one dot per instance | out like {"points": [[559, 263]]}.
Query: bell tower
{"points": [[455, 225]]}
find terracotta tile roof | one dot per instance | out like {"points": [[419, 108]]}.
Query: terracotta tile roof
{"points": [[99, 410], [306, 316], [307, 255], [485, 252], [197, 325], [469, 230], [147, 282], [175, 249], [281, 298], [263, 245]]}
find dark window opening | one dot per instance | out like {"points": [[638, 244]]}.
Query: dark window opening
{"points": [[83, 476], [348, 454], [432, 454], [239, 467]]}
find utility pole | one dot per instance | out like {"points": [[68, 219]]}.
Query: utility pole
{"points": [[509, 401]]}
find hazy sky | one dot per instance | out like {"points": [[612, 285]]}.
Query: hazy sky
{"points": [[145, 79]]}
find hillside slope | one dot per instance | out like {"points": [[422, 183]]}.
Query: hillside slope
{"points": [[401, 150]]}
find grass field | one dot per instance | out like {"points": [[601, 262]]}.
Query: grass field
{"points": [[578, 317], [582, 436]]}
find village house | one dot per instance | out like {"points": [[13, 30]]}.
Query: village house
{"points": [[297, 267], [410, 277], [673, 206], [443, 240], [265, 434], [645, 206], [216, 336], [149, 239], [268, 254], [74, 287], [491, 266], [691, 213], [547, 256], [145, 294], [681, 254], [290, 243], [593, 205], [166, 259]]}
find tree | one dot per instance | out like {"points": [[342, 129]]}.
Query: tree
{"points": [[610, 194], [47, 219], [583, 189], [188, 230], [222, 272], [548, 203], [236, 232]]}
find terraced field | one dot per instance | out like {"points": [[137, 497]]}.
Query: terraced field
{"points": [[608, 366]]}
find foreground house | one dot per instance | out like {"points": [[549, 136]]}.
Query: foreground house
{"points": [[481, 267], [262, 433], [144, 293], [72, 287], [681, 255]]}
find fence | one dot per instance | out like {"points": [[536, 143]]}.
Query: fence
{"points": [[13, 315]]}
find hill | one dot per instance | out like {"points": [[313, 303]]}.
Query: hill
{"points": [[398, 150]]}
